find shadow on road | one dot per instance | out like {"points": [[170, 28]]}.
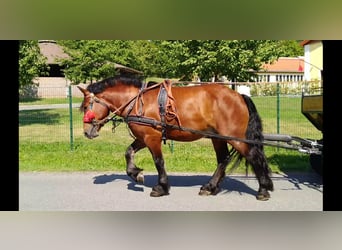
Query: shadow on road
{"points": [[229, 184], [310, 180]]}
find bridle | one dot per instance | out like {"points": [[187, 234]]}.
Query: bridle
{"points": [[89, 116]]}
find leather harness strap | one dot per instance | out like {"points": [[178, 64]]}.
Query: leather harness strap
{"points": [[167, 109], [162, 99]]}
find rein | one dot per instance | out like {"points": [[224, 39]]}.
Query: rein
{"points": [[269, 139], [90, 118], [154, 123], [168, 111]]}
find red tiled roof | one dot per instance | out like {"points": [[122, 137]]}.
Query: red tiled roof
{"points": [[305, 42], [285, 64]]}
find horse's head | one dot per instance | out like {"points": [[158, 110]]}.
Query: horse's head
{"points": [[95, 111]]}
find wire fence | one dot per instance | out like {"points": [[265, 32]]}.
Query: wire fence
{"points": [[58, 119]]}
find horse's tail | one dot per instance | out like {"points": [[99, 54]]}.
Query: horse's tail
{"points": [[256, 156], [254, 129]]}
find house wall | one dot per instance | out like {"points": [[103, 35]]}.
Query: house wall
{"points": [[291, 77], [313, 64], [52, 87]]}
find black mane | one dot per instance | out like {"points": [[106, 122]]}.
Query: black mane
{"points": [[100, 86]]}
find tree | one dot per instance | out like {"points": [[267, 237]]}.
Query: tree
{"points": [[31, 63], [291, 48], [147, 57], [94, 59], [209, 59]]}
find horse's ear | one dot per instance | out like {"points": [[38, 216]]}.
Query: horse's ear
{"points": [[83, 90]]}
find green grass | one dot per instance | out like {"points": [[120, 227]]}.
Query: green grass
{"points": [[98, 155], [44, 144]]}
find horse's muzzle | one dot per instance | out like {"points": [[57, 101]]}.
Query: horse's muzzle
{"points": [[91, 135], [92, 132]]}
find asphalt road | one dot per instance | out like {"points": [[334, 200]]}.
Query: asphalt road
{"points": [[92, 191]]}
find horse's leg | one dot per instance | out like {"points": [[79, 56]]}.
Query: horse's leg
{"points": [[131, 169], [256, 157], [223, 158], [163, 187]]}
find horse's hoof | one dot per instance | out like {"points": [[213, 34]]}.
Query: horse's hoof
{"points": [[158, 191], [155, 194], [140, 178], [263, 196], [204, 192], [209, 189]]}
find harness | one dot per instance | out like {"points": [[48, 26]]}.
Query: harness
{"points": [[167, 110], [167, 107], [166, 104]]}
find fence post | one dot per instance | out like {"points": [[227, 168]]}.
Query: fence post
{"points": [[70, 118], [171, 146], [278, 110]]}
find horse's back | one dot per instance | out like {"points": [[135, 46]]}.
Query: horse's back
{"points": [[214, 90], [213, 106], [215, 96]]}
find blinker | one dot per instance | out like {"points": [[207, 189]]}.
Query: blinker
{"points": [[89, 116]]}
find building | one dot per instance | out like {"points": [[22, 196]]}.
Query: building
{"points": [[54, 84], [52, 51], [313, 59], [289, 71], [285, 69], [293, 69]]}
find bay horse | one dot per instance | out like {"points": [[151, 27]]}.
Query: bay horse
{"points": [[156, 112]]}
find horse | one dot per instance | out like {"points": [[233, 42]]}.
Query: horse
{"points": [[155, 112]]}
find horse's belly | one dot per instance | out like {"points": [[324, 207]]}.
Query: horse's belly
{"points": [[183, 136]]}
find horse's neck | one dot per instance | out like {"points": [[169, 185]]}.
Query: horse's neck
{"points": [[129, 99], [123, 100]]}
